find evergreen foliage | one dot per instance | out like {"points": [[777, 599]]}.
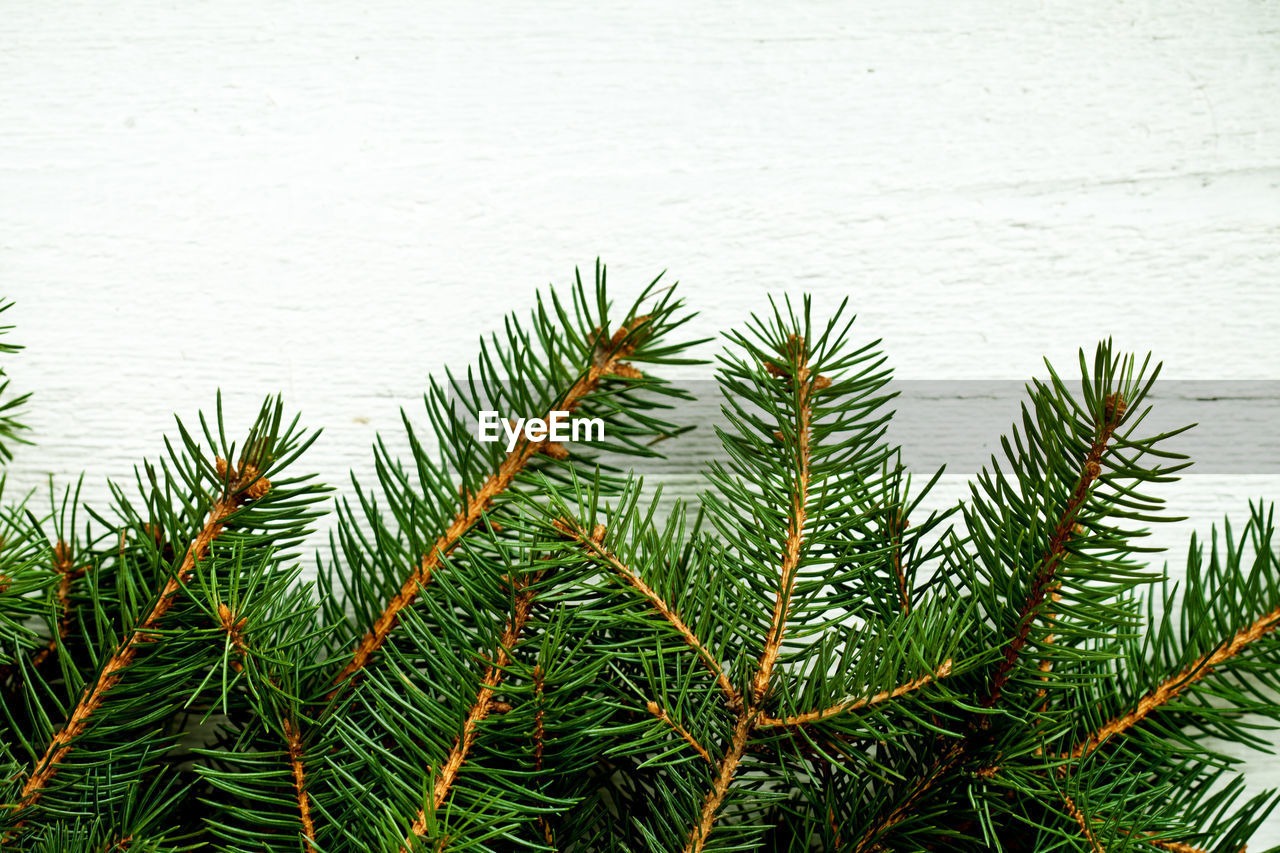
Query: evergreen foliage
{"points": [[518, 651]]}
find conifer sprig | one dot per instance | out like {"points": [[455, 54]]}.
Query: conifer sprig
{"points": [[107, 740], [573, 360], [806, 437], [522, 649]]}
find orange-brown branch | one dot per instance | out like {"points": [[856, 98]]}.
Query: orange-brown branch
{"points": [[297, 763], [448, 773], [539, 743], [868, 840], [1096, 846], [234, 629], [1178, 846], [748, 713], [844, 707], [899, 574], [724, 778], [1044, 584], [795, 530], [608, 363], [1172, 688], [67, 574], [661, 713], [1083, 823], [594, 542], [539, 729], [249, 487], [1045, 580]]}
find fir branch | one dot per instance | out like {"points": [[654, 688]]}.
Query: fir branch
{"points": [[67, 574], [1178, 846], [684, 734], [1073, 811], [800, 378], [1075, 814], [297, 763], [802, 383], [246, 487], [940, 769], [594, 544], [540, 741], [234, 630], [836, 710], [1045, 577], [725, 771], [609, 360], [448, 773], [899, 575], [539, 716], [1171, 688]]}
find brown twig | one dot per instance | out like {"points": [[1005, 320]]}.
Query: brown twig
{"points": [[297, 763], [67, 574], [1173, 846], [1172, 688], [608, 361], [249, 486], [1083, 823], [795, 530], [804, 384], [943, 766], [1096, 846], [899, 574], [725, 772], [448, 773], [1045, 577], [539, 744], [661, 713], [835, 710], [594, 542], [234, 629], [1044, 584], [1179, 847]]}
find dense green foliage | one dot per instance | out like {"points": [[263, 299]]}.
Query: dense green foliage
{"points": [[520, 651]]}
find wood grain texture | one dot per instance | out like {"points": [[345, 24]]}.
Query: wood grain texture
{"points": [[334, 199]]}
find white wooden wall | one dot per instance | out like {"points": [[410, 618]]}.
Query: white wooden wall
{"points": [[333, 199]]}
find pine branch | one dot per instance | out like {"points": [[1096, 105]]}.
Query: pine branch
{"points": [[725, 771], [539, 741], [527, 659], [1178, 846], [798, 375], [297, 763], [67, 574], [899, 574], [609, 361], [448, 773], [802, 382], [233, 628], [683, 733], [883, 824], [1046, 574], [594, 544], [248, 486], [836, 710], [1173, 687], [1075, 814]]}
